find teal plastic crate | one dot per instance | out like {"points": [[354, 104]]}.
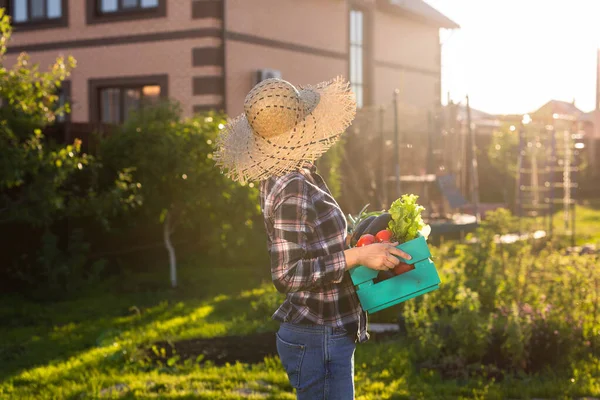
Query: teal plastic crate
{"points": [[378, 296]]}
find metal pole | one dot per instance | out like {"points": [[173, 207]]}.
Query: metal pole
{"points": [[534, 182], [474, 174], [383, 164], [397, 145], [573, 224], [463, 164], [548, 173], [519, 193], [429, 168], [566, 177], [552, 170], [574, 176], [576, 163]]}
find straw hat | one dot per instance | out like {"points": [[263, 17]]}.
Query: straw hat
{"points": [[282, 127]]}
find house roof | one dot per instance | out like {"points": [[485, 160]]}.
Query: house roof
{"points": [[562, 108], [478, 117], [592, 116], [420, 10]]}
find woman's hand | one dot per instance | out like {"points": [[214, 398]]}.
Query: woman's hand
{"points": [[381, 256], [377, 256]]}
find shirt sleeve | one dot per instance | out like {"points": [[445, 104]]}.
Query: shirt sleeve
{"points": [[293, 221]]}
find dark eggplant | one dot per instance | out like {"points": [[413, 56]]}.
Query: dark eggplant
{"points": [[359, 230], [378, 224]]}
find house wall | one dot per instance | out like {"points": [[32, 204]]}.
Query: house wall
{"points": [[166, 45], [307, 48], [402, 53], [406, 56], [178, 17], [130, 60], [210, 50]]}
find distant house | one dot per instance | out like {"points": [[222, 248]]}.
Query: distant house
{"points": [[207, 54], [550, 111], [590, 127], [556, 109], [483, 123], [585, 127]]}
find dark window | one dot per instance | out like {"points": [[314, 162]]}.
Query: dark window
{"points": [[357, 55], [116, 103], [38, 13], [120, 10], [111, 6], [112, 100], [64, 97]]}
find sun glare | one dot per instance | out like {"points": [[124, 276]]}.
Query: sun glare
{"points": [[513, 56]]}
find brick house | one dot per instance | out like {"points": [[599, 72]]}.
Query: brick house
{"points": [[209, 53]]}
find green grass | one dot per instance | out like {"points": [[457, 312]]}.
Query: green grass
{"points": [[587, 224], [89, 347]]}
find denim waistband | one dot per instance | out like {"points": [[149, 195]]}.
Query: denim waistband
{"points": [[313, 328]]}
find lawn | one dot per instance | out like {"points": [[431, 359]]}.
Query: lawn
{"points": [[587, 224], [96, 347]]}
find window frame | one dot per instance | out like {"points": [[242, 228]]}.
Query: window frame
{"points": [[95, 86], [364, 47], [95, 16], [34, 24], [65, 91]]}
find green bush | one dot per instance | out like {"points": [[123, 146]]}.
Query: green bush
{"points": [[56, 272], [44, 186], [182, 192], [330, 167], [509, 306]]}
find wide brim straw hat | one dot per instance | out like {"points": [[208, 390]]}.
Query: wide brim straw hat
{"points": [[283, 127]]}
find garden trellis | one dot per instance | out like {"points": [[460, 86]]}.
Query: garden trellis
{"points": [[547, 170]]}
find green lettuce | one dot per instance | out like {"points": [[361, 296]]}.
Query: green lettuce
{"points": [[406, 220]]}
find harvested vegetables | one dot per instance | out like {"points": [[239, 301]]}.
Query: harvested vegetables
{"points": [[407, 222], [401, 223]]}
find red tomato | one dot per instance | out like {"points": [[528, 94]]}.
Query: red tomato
{"points": [[365, 240], [384, 236], [402, 268]]}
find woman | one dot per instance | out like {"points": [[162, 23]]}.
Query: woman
{"points": [[282, 131]]}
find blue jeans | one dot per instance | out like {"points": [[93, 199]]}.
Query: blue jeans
{"points": [[319, 361]]}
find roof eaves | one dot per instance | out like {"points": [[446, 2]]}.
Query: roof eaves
{"points": [[419, 10]]}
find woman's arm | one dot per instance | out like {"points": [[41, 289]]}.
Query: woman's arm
{"points": [[291, 271], [293, 218]]}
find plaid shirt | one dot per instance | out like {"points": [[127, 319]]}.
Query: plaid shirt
{"points": [[306, 239]]}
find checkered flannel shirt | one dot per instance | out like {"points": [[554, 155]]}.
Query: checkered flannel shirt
{"points": [[306, 240]]}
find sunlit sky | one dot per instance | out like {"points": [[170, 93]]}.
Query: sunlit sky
{"points": [[512, 56]]}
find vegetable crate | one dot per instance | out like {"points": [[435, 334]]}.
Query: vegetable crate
{"points": [[397, 289]]}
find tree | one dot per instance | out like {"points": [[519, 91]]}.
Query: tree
{"points": [[503, 155], [43, 183], [504, 151], [36, 177], [30, 175], [171, 157]]}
